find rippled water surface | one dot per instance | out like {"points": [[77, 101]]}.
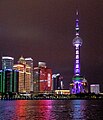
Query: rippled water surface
{"points": [[51, 110]]}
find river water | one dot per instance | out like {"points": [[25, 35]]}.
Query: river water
{"points": [[51, 110]]}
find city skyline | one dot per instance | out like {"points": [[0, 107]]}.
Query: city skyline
{"points": [[44, 31]]}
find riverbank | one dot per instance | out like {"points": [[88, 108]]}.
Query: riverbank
{"points": [[80, 96]]}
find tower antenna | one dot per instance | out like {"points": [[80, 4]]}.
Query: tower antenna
{"points": [[77, 23], [77, 19]]}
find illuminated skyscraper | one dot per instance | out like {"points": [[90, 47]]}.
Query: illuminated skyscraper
{"points": [[8, 81], [57, 82], [24, 75], [7, 62], [42, 78], [78, 84], [21, 83], [8, 76], [1, 82], [29, 61]]}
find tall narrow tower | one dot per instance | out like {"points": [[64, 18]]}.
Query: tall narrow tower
{"points": [[77, 43], [77, 79]]}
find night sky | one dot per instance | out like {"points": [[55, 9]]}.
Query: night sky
{"points": [[44, 30]]}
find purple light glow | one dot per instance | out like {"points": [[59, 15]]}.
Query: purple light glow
{"points": [[77, 42]]}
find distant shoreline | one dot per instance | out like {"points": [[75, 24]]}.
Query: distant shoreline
{"points": [[55, 99], [79, 96]]}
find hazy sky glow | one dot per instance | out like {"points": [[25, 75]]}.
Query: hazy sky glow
{"points": [[44, 30]]}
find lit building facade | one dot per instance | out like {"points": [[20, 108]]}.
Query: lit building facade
{"points": [[57, 82], [95, 88], [9, 81], [64, 92], [24, 84], [29, 61], [8, 76], [42, 78], [1, 82], [78, 86], [7, 62]]}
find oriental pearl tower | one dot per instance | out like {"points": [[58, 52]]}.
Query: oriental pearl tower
{"points": [[78, 85]]}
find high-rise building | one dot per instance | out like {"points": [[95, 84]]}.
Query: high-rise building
{"points": [[21, 82], [8, 81], [77, 85], [1, 82], [7, 62], [42, 78], [24, 84], [29, 61], [57, 82], [8, 76]]}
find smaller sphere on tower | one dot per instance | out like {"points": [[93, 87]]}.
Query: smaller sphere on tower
{"points": [[77, 41]]}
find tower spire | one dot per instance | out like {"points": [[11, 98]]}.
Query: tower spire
{"points": [[77, 23]]}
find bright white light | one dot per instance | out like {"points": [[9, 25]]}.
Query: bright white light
{"points": [[77, 56], [77, 74], [10, 58], [77, 28], [29, 59], [49, 78], [77, 65], [18, 65], [77, 51], [77, 45], [77, 48], [41, 64], [55, 75], [77, 33], [77, 61]]}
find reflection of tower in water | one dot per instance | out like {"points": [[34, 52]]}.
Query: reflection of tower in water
{"points": [[79, 108]]}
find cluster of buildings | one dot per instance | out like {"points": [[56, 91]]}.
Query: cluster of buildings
{"points": [[23, 77]]}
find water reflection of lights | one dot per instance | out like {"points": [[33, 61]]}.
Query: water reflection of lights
{"points": [[78, 109], [44, 109], [51, 110], [33, 110], [21, 109]]}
